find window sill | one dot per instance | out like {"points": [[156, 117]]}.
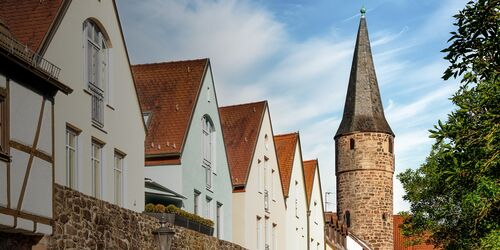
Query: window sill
{"points": [[110, 107], [210, 190], [99, 128], [5, 157]]}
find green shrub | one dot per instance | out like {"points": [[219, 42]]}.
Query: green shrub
{"points": [[150, 208], [159, 208]]}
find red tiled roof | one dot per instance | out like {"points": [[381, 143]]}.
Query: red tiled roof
{"points": [[285, 149], [399, 239], [309, 171], [241, 125], [169, 91], [29, 20]]}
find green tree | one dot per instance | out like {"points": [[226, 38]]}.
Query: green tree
{"points": [[455, 195]]}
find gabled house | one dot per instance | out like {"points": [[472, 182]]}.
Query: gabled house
{"points": [[184, 147], [292, 178], [258, 201], [315, 213], [99, 131], [28, 86]]}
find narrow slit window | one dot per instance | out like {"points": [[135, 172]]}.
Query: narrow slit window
{"points": [[391, 146], [352, 143]]}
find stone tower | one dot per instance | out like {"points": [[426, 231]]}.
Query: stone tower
{"points": [[364, 153]]}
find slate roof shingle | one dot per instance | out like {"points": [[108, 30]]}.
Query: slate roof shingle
{"points": [[309, 172], [241, 125], [285, 149], [169, 91], [28, 20]]}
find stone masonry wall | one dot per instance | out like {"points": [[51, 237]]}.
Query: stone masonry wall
{"points": [[365, 187], [83, 222]]}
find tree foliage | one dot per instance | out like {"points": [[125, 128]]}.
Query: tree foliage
{"points": [[455, 195]]}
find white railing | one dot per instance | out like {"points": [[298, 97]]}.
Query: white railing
{"points": [[30, 57], [97, 105]]}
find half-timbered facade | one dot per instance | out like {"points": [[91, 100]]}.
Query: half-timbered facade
{"points": [[28, 85]]}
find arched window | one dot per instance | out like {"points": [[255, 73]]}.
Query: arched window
{"points": [[96, 68], [208, 148], [266, 142], [347, 218]]}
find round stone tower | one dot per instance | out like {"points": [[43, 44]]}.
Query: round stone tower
{"points": [[364, 150]]}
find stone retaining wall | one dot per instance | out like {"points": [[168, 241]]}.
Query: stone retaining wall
{"points": [[82, 222]]}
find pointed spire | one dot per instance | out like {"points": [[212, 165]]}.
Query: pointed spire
{"points": [[363, 110]]}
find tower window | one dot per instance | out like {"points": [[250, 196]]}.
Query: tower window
{"points": [[384, 216], [347, 218], [391, 146], [352, 143]]}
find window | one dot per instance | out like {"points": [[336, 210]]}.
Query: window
{"points": [[391, 146], [259, 181], [218, 220], [347, 218], [208, 139], [274, 239], [118, 178], [259, 231], [264, 174], [96, 161], [71, 158], [146, 116], [266, 142], [4, 123], [208, 208], [266, 233], [351, 143], [196, 202], [272, 185], [96, 57]]}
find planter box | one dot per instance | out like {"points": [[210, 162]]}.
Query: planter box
{"points": [[184, 222]]}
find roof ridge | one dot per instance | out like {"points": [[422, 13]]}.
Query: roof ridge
{"points": [[171, 62], [243, 104], [287, 134]]}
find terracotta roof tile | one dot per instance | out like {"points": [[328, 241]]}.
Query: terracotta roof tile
{"points": [[309, 171], [399, 239], [241, 125], [168, 91], [285, 149], [29, 20]]}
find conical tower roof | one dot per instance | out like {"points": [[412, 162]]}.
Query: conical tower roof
{"points": [[363, 110]]}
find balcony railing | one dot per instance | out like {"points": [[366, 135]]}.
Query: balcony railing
{"points": [[97, 105], [266, 200], [30, 57]]}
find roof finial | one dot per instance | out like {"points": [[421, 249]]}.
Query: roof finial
{"points": [[363, 11]]}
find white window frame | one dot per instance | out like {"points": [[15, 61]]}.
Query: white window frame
{"points": [[259, 181], [259, 232], [266, 233], [96, 161], [272, 185], [208, 207], [96, 69], [196, 202], [208, 150], [72, 179], [120, 169], [219, 220], [274, 238]]}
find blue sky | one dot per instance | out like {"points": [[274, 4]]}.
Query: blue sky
{"points": [[297, 55]]}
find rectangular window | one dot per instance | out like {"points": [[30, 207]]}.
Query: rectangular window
{"points": [[208, 176], [196, 202], [96, 161], [218, 221], [208, 208], [4, 124], [71, 158], [259, 181], [264, 177], [259, 231], [266, 233], [274, 240], [118, 178], [272, 185]]}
